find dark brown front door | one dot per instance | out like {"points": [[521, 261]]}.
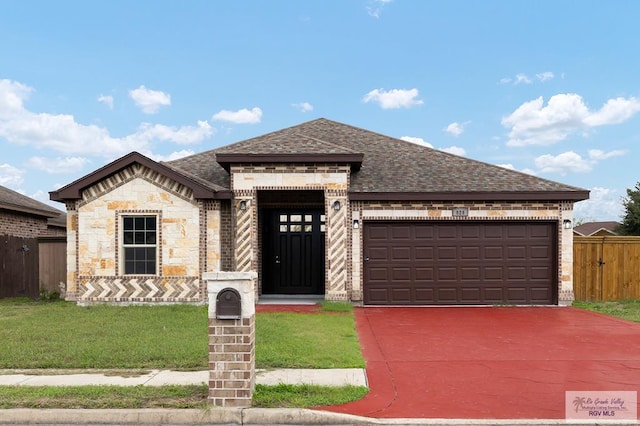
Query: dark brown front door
{"points": [[293, 251], [451, 263]]}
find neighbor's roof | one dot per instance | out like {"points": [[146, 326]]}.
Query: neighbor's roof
{"points": [[383, 167], [590, 228], [14, 201]]}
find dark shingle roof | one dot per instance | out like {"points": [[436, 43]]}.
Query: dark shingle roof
{"points": [[590, 228], [14, 201], [390, 165]]}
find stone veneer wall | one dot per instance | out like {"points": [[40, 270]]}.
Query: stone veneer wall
{"points": [[93, 250], [364, 211], [333, 180]]}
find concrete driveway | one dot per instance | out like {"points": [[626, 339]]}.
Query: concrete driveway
{"points": [[490, 362]]}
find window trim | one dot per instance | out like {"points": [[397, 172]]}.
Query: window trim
{"points": [[120, 245]]}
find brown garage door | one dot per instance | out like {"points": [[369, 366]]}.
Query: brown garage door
{"points": [[470, 263]]}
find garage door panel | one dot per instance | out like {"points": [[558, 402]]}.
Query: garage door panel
{"points": [[401, 274], [448, 295], [447, 253], [424, 296], [400, 253], [460, 262], [424, 253], [470, 295]]}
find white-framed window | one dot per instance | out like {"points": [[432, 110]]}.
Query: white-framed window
{"points": [[139, 244]]}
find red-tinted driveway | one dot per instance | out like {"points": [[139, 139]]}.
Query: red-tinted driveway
{"points": [[490, 362]]}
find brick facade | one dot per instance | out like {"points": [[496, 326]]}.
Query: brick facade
{"points": [[22, 225]]}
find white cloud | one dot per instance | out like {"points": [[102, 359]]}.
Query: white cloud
{"points": [[58, 165], [571, 162], [603, 204], [107, 100], [394, 98], [417, 141], [533, 123], [545, 76], [149, 101], [563, 163], [174, 155], [455, 150], [374, 7], [10, 176], [512, 167], [597, 155], [303, 106], [455, 128], [63, 134], [242, 116], [183, 135], [522, 78]]}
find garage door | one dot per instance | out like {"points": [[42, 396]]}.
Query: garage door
{"points": [[469, 263]]}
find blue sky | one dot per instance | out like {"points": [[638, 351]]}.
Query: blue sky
{"points": [[550, 88]]}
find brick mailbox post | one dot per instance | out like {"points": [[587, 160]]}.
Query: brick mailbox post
{"points": [[232, 317]]}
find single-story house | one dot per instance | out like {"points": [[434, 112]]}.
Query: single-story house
{"points": [[321, 208], [596, 229], [23, 221]]}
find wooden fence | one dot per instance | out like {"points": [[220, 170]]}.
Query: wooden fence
{"points": [[52, 262], [18, 267], [606, 268]]}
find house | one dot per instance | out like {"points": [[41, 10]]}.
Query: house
{"points": [[321, 208], [596, 229], [23, 221]]}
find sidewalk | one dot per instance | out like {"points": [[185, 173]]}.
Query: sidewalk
{"points": [[325, 377]]}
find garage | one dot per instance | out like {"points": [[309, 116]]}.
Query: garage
{"points": [[460, 263]]}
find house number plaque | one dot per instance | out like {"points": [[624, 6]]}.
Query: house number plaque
{"points": [[460, 212]]}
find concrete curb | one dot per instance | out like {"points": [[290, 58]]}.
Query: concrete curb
{"points": [[239, 416]]}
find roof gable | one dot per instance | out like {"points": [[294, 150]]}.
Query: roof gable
{"points": [[200, 187]]}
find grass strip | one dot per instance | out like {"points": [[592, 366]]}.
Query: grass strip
{"points": [[625, 309], [305, 396], [195, 396]]}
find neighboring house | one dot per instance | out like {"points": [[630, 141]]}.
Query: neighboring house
{"points": [[23, 221], [596, 229], [321, 208]]}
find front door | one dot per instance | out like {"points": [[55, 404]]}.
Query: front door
{"points": [[293, 251]]}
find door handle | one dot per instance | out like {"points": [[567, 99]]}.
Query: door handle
{"points": [[366, 259], [277, 259]]}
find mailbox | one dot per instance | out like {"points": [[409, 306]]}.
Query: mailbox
{"points": [[228, 304]]}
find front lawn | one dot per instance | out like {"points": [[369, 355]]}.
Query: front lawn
{"points": [[625, 309], [62, 335]]}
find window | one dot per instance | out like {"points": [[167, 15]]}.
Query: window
{"points": [[139, 243]]}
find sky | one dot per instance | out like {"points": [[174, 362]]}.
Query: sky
{"points": [[550, 88]]}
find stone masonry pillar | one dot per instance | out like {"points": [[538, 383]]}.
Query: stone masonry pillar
{"points": [[231, 339]]}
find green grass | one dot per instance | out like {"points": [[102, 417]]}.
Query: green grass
{"points": [[305, 396], [195, 396], [103, 396], [289, 340], [625, 309], [328, 306], [39, 335], [64, 335]]}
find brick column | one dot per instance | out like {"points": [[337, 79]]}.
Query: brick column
{"points": [[232, 342]]}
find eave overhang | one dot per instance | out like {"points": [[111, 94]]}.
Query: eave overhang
{"points": [[28, 210], [73, 191], [574, 196], [354, 160]]}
